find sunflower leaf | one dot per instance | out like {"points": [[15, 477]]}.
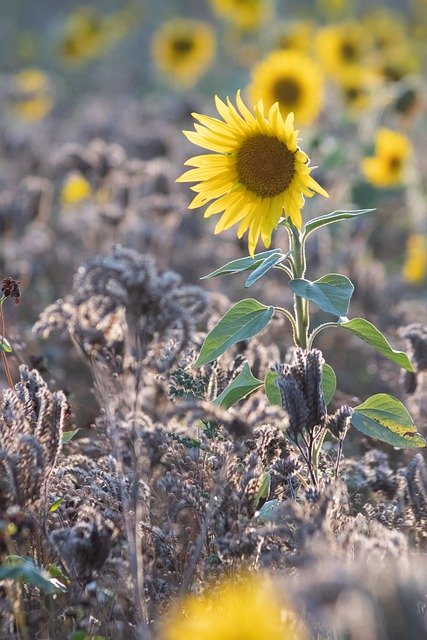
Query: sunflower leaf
{"points": [[244, 264], [329, 383], [370, 334], [330, 218], [385, 418], [272, 391], [242, 385], [331, 293], [263, 267], [243, 321]]}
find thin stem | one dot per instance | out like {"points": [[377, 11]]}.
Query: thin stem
{"points": [[297, 245], [289, 316], [285, 269], [317, 330]]}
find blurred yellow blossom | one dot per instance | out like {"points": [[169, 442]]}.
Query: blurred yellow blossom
{"points": [[33, 96], [183, 50], [297, 36], [342, 48], [293, 80], [75, 189], [244, 608], [387, 167], [245, 14], [415, 267]]}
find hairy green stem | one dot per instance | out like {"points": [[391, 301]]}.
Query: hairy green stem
{"points": [[302, 320]]}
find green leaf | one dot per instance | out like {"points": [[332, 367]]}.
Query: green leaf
{"points": [[263, 489], [331, 293], [263, 268], [243, 321], [330, 218], [54, 506], [242, 385], [26, 571], [243, 264], [385, 418], [329, 383], [370, 334], [267, 511], [271, 389], [68, 435], [5, 345]]}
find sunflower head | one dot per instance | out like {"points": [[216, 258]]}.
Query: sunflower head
{"points": [[387, 167], [256, 173], [293, 80], [183, 49], [342, 48], [34, 96], [243, 14], [249, 604]]}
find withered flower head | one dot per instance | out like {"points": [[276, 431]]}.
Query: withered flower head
{"points": [[10, 288]]}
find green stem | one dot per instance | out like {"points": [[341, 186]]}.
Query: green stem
{"points": [[318, 329], [290, 318], [302, 319]]}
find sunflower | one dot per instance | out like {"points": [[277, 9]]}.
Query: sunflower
{"points": [[415, 267], [33, 98], [75, 189], [293, 80], [183, 49], [256, 174], [386, 28], [387, 167], [341, 48], [297, 36], [244, 14], [249, 608]]}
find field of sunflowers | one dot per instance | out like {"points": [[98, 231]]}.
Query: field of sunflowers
{"points": [[213, 320]]}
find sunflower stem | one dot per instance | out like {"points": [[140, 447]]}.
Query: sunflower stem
{"points": [[297, 246]]}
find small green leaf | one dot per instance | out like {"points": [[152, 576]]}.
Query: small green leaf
{"points": [[5, 345], [385, 418], [54, 506], [329, 383], [330, 218], [263, 268], [263, 488], [239, 388], [243, 321], [271, 389], [370, 334], [331, 293], [267, 511], [243, 264], [68, 435]]}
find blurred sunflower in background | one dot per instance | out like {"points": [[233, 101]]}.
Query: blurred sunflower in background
{"points": [[248, 609], [182, 50], [342, 48], [415, 266], [75, 189], [256, 174], [244, 14], [32, 95], [89, 34], [293, 80], [297, 36], [387, 167]]}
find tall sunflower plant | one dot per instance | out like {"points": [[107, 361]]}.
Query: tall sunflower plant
{"points": [[256, 177]]}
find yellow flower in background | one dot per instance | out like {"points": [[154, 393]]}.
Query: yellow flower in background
{"points": [[397, 63], [256, 174], [244, 14], [246, 609], [183, 50], [90, 34], [75, 189], [387, 167], [332, 7], [415, 267], [33, 96], [386, 28], [293, 80], [341, 48], [297, 36]]}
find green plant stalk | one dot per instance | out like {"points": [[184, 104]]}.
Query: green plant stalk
{"points": [[302, 319]]}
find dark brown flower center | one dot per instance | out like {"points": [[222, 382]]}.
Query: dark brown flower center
{"points": [[287, 92], [265, 165], [348, 51], [182, 45], [395, 163]]}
